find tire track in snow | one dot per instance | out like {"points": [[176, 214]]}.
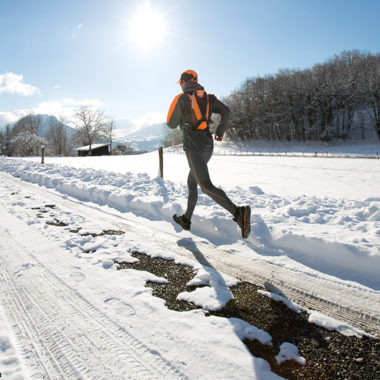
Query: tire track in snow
{"points": [[88, 345], [357, 306]]}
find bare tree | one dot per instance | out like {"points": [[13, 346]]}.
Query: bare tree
{"points": [[7, 140], [173, 137], [30, 123], [373, 91], [25, 138], [26, 143], [109, 132], [91, 126], [123, 148], [57, 137]]}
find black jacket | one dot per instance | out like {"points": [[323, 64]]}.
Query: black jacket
{"points": [[180, 114]]}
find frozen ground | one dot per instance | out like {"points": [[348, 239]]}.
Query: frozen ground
{"points": [[316, 217]]}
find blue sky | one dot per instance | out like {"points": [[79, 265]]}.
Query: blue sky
{"points": [[56, 55]]}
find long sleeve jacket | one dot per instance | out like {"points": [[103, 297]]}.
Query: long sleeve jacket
{"points": [[180, 114]]}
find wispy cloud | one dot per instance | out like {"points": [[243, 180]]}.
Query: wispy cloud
{"points": [[13, 84], [84, 102], [149, 119], [10, 117], [78, 27]]}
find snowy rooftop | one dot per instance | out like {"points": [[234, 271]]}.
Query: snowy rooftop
{"points": [[93, 146]]}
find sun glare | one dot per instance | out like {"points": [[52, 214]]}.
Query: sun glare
{"points": [[147, 28]]}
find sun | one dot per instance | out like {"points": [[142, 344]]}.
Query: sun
{"points": [[147, 28]]}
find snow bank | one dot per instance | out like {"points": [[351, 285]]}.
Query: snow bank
{"points": [[337, 236]]}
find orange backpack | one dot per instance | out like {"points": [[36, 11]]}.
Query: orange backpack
{"points": [[198, 120]]}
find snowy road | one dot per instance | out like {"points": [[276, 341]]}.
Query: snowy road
{"points": [[71, 316], [62, 333]]}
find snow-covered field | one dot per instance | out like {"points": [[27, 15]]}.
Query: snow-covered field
{"points": [[315, 217]]}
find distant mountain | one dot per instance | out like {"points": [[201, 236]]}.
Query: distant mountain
{"points": [[47, 120], [147, 138]]}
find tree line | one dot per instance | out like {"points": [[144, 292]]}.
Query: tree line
{"points": [[337, 99], [25, 137]]}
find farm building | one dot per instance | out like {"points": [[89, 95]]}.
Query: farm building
{"points": [[96, 150]]}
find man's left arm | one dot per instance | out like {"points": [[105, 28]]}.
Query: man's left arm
{"points": [[175, 113]]}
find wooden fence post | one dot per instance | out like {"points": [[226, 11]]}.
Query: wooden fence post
{"points": [[42, 154], [161, 159]]}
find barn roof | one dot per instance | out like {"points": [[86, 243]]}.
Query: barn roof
{"points": [[93, 146]]}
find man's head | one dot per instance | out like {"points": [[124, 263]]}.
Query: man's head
{"points": [[188, 75]]}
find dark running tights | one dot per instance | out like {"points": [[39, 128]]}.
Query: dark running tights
{"points": [[199, 175]]}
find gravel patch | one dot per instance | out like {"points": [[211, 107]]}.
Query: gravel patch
{"points": [[328, 354]]}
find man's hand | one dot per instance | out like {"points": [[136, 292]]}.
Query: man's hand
{"points": [[218, 138]]}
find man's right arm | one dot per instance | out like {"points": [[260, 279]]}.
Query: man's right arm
{"points": [[224, 112], [175, 113]]}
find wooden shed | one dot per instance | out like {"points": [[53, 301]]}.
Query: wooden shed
{"points": [[96, 150]]}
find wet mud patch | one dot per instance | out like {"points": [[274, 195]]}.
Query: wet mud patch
{"points": [[43, 207], [96, 234], [103, 233], [47, 211], [177, 275], [328, 354], [41, 214], [56, 223]]}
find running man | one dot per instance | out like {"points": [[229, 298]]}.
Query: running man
{"points": [[192, 111]]}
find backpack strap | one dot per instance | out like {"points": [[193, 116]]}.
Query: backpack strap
{"points": [[202, 120]]}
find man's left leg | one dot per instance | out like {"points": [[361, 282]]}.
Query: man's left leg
{"points": [[192, 197], [185, 220]]}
